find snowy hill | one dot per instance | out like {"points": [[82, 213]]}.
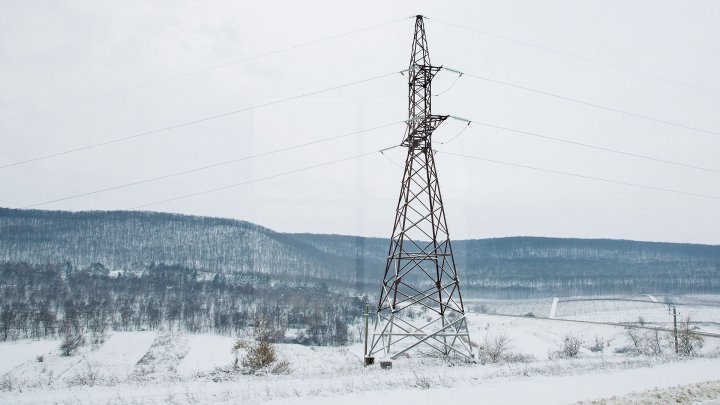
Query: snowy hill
{"points": [[517, 266]]}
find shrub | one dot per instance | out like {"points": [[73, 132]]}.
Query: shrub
{"points": [[649, 343], [599, 345], [494, 350], [259, 357], [88, 377], [260, 353], [422, 381], [281, 367], [569, 347], [8, 382], [689, 341], [71, 342], [654, 343]]}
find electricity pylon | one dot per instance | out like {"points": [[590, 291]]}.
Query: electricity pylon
{"points": [[420, 270]]}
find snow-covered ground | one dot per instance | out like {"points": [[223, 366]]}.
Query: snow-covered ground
{"points": [[163, 367], [703, 310], [706, 393], [14, 353]]}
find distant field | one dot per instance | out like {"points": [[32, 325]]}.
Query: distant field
{"points": [[539, 307], [703, 310]]}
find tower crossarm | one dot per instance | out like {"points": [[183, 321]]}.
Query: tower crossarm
{"points": [[419, 131]]}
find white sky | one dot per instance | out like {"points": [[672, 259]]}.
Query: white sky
{"points": [[55, 52]]}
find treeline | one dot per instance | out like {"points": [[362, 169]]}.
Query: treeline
{"points": [[503, 267], [130, 240], [41, 301]]}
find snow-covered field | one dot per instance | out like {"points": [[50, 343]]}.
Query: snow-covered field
{"points": [[703, 310], [163, 367]]}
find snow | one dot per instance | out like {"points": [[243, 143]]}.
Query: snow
{"points": [[161, 367], [206, 352], [704, 310], [705, 393], [553, 308], [536, 390], [121, 351], [16, 353]]}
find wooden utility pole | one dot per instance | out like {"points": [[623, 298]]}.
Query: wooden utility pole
{"points": [[675, 328]]}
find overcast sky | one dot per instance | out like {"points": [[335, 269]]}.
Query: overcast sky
{"points": [[56, 52]]}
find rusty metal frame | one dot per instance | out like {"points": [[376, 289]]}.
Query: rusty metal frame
{"points": [[420, 269]]}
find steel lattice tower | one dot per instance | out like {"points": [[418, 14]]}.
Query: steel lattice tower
{"points": [[420, 270]]}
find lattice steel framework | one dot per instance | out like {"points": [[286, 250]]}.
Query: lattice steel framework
{"points": [[420, 270]]}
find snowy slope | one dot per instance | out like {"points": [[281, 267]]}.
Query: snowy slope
{"points": [[153, 368]]}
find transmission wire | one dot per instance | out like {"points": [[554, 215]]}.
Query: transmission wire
{"points": [[212, 190], [579, 57], [231, 185], [500, 162], [458, 134], [382, 153], [82, 148], [601, 148], [172, 78], [574, 100], [449, 87], [210, 166]]}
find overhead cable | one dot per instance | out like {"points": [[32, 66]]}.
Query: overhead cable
{"points": [[186, 123], [600, 179], [585, 145], [195, 72], [579, 57], [212, 190], [210, 166], [574, 100]]}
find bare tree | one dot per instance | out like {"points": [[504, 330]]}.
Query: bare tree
{"points": [[493, 350], [71, 342], [689, 341], [649, 343]]}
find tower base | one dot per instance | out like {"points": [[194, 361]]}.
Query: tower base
{"points": [[444, 336]]}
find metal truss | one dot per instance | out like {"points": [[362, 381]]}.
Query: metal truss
{"points": [[420, 269]]}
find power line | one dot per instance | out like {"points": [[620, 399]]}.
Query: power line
{"points": [[184, 75], [212, 190], [382, 153], [582, 176], [585, 145], [459, 133], [579, 57], [210, 166], [574, 100], [449, 87], [155, 131], [237, 184]]}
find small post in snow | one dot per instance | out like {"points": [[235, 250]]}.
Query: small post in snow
{"points": [[368, 359], [674, 314]]}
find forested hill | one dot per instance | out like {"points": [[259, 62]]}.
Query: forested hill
{"points": [[517, 266]]}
